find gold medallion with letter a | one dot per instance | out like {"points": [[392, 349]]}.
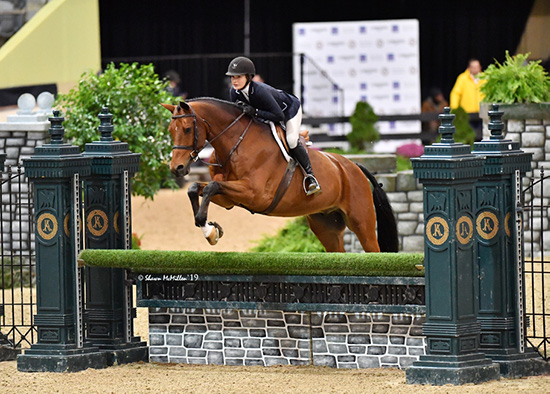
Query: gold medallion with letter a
{"points": [[487, 225], [97, 222], [46, 226], [437, 230]]}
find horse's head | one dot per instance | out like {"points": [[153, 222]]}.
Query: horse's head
{"points": [[185, 136]]}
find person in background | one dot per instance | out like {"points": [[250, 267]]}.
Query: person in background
{"points": [[258, 78], [466, 93], [261, 100], [435, 102], [174, 87]]}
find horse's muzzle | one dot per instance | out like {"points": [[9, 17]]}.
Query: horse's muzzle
{"points": [[180, 170]]}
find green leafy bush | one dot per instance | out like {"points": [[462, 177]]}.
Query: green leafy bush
{"points": [[464, 132], [133, 93], [516, 81], [296, 236], [363, 130], [403, 163]]}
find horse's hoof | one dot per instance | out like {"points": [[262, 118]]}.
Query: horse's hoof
{"points": [[214, 234], [213, 237], [218, 227]]}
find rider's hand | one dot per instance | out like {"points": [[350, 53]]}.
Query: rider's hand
{"points": [[247, 109]]}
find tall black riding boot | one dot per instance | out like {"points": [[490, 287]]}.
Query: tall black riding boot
{"points": [[311, 185]]}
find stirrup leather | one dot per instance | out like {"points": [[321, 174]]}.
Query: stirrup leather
{"points": [[314, 186]]}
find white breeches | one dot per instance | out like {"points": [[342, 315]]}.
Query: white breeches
{"points": [[293, 129]]}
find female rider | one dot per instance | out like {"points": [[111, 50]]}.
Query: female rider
{"points": [[265, 102]]}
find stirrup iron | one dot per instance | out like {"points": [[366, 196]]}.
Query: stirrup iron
{"points": [[314, 186]]}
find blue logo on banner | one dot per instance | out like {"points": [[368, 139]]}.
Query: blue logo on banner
{"points": [[395, 28], [302, 31], [363, 58], [396, 97], [391, 57], [363, 86], [335, 99], [334, 30], [362, 29], [392, 124], [396, 84], [330, 59], [335, 87], [364, 98]]}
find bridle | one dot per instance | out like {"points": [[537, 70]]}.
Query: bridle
{"points": [[195, 150]]}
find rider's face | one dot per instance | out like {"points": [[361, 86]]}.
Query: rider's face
{"points": [[238, 81]]}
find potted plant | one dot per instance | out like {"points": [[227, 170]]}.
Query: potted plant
{"points": [[521, 87]]}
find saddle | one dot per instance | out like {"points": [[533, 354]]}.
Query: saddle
{"points": [[279, 134]]}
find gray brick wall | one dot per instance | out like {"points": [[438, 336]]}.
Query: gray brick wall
{"points": [[18, 140], [251, 337], [533, 136]]}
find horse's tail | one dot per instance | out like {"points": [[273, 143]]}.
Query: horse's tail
{"points": [[385, 219]]}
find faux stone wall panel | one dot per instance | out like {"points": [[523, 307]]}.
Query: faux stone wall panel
{"points": [[18, 141], [338, 340]]}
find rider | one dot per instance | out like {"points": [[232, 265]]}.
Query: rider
{"points": [[265, 102]]}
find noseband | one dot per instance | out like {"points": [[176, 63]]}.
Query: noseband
{"points": [[195, 150]]}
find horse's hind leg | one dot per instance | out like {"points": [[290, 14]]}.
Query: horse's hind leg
{"points": [[329, 229], [363, 223]]}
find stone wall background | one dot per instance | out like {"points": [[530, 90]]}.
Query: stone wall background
{"points": [[534, 136], [251, 337], [18, 140]]}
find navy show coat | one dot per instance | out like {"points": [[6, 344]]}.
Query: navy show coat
{"points": [[272, 104]]}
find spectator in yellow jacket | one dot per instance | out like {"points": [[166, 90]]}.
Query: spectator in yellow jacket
{"points": [[466, 93]]}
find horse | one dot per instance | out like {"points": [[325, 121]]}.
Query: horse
{"points": [[247, 168]]}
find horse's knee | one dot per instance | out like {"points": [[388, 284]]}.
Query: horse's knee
{"points": [[193, 190], [211, 189]]}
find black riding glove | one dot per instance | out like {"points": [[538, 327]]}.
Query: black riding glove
{"points": [[247, 109]]}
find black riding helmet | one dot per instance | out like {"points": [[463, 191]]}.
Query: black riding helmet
{"points": [[241, 65]]}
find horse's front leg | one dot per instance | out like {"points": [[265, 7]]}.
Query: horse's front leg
{"points": [[212, 231], [193, 192]]}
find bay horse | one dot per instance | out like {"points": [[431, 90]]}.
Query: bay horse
{"points": [[248, 168]]}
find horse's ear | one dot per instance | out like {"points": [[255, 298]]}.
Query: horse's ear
{"points": [[184, 105], [169, 107]]}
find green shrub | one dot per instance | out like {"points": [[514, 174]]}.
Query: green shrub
{"points": [[133, 93], [464, 132], [295, 236], [363, 130], [403, 163], [516, 81]]}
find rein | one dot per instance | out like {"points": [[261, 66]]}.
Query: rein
{"points": [[195, 150]]}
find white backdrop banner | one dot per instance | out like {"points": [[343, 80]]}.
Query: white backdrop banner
{"points": [[346, 62]]}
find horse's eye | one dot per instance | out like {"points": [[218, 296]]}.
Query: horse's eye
{"points": [[187, 130]]}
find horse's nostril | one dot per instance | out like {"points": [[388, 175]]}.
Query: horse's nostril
{"points": [[180, 168]]}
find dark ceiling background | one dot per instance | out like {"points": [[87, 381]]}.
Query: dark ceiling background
{"points": [[198, 38]]}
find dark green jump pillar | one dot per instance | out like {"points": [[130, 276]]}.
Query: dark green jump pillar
{"points": [[109, 306], [448, 172], [498, 244], [55, 170]]}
